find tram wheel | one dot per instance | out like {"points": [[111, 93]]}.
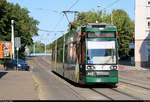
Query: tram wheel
{"points": [[113, 85]]}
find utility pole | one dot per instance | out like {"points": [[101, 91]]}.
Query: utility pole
{"points": [[55, 51], [45, 48], [111, 18], [34, 48], [64, 50], [65, 13], [12, 39], [102, 11]]}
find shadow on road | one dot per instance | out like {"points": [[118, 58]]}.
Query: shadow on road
{"points": [[101, 85], [2, 74]]}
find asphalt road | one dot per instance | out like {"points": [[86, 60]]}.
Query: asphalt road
{"points": [[48, 86], [133, 85]]}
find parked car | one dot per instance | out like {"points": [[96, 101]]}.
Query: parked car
{"points": [[21, 65]]}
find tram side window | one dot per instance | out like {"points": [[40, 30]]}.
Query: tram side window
{"points": [[78, 52], [53, 54], [74, 56], [66, 53], [70, 55], [60, 55]]}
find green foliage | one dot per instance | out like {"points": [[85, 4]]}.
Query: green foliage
{"points": [[91, 17], [121, 20], [39, 47], [24, 27], [125, 28], [86, 17]]}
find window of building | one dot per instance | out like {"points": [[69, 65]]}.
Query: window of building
{"points": [[148, 3], [149, 24]]}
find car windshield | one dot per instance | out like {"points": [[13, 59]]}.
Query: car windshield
{"points": [[101, 52], [20, 61]]}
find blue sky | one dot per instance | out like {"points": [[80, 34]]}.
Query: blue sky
{"points": [[48, 13]]}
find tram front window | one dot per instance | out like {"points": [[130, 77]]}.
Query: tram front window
{"points": [[101, 52]]}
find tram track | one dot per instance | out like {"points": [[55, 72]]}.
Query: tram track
{"points": [[126, 94], [101, 94], [130, 76], [135, 91], [134, 84], [113, 94], [50, 73], [127, 89], [77, 91], [135, 80]]}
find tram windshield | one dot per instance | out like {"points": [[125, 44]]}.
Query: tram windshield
{"points": [[101, 52]]}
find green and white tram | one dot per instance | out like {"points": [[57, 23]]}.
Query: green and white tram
{"points": [[87, 55]]}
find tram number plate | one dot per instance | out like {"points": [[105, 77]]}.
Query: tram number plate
{"points": [[102, 73]]}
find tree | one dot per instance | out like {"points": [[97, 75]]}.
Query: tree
{"points": [[125, 27], [87, 17], [91, 17], [25, 26], [121, 20]]}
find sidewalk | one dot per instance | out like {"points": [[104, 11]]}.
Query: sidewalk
{"points": [[17, 85], [127, 67]]}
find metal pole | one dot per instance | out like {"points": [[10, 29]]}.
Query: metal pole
{"points": [[12, 39], [34, 48], [17, 58], [101, 11], [111, 18], [64, 54], [64, 50], [56, 51], [45, 49], [56, 55]]}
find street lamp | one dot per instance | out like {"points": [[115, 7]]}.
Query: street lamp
{"points": [[55, 50], [12, 34], [102, 11], [103, 8], [34, 42], [34, 48], [12, 39], [45, 48]]}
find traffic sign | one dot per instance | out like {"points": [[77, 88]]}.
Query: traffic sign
{"points": [[17, 42]]}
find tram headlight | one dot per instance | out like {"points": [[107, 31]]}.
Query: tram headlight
{"points": [[113, 67], [90, 68]]}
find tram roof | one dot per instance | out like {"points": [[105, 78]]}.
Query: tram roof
{"points": [[99, 27]]}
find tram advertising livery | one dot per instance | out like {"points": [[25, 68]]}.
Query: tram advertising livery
{"points": [[87, 55]]}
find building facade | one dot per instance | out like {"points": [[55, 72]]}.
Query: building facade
{"points": [[142, 33]]}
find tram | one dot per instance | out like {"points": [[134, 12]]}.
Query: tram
{"points": [[87, 55]]}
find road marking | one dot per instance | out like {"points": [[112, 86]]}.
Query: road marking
{"points": [[38, 88]]}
